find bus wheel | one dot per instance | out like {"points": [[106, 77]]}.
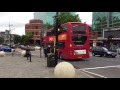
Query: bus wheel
{"points": [[61, 56]]}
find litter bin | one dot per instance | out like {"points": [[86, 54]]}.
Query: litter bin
{"points": [[51, 60]]}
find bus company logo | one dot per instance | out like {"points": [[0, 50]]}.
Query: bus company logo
{"points": [[62, 37], [51, 39]]}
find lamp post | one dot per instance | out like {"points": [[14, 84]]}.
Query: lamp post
{"points": [[10, 34], [40, 42], [56, 41], [41, 35]]}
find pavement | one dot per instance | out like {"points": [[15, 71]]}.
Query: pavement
{"points": [[17, 66]]}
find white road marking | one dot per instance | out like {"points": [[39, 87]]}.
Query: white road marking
{"points": [[95, 74], [86, 74], [99, 67]]}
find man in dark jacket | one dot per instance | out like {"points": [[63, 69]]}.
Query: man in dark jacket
{"points": [[45, 50], [48, 49]]}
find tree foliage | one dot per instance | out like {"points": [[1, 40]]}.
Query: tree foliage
{"points": [[17, 39], [65, 17], [27, 37], [48, 25], [22, 41]]}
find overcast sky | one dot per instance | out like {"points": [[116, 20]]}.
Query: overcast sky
{"points": [[19, 19]]}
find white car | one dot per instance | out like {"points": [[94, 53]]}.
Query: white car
{"points": [[37, 48]]}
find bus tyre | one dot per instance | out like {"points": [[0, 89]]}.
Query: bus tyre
{"points": [[61, 56], [93, 54]]}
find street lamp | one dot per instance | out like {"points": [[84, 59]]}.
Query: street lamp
{"points": [[41, 34], [10, 33], [40, 42], [56, 41]]}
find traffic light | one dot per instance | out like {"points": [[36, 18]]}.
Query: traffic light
{"points": [[59, 28], [58, 31]]}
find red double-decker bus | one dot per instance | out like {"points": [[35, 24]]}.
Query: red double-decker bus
{"points": [[73, 41]]}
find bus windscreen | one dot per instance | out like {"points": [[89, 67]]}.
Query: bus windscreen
{"points": [[78, 27]]}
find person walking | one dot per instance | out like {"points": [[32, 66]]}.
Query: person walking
{"points": [[45, 50], [27, 51], [48, 49], [13, 52]]}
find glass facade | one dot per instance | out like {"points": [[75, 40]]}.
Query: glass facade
{"points": [[101, 20], [47, 17]]}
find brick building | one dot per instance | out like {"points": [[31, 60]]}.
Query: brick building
{"points": [[34, 26]]}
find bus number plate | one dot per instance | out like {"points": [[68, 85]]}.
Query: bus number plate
{"points": [[81, 51]]}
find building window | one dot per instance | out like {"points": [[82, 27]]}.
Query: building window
{"points": [[32, 27], [36, 27], [32, 33], [64, 28], [36, 33]]}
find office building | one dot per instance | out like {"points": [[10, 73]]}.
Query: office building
{"points": [[106, 24], [103, 20]]}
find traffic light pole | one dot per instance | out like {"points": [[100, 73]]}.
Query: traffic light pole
{"points": [[56, 41]]}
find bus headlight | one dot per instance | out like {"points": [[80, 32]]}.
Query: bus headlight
{"points": [[70, 45]]}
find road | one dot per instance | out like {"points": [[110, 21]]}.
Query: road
{"points": [[95, 66], [99, 67]]}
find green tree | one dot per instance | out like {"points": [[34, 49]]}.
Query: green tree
{"points": [[17, 39], [22, 41], [48, 25], [65, 17], [28, 36], [1, 40]]}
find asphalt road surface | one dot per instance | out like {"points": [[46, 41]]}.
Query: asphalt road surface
{"points": [[99, 67]]}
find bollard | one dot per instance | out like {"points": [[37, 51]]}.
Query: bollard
{"points": [[13, 51], [23, 53], [30, 57], [64, 70], [2, 53]]}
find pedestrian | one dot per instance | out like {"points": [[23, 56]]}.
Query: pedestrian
{"points": [[27, 51], [48, 49], [45, 50], [52, 49], [13, 51]]}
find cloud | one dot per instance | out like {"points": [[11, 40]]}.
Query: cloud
{"points": [[86, 17], [17, 19], [14, 24], [3, 14]]}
